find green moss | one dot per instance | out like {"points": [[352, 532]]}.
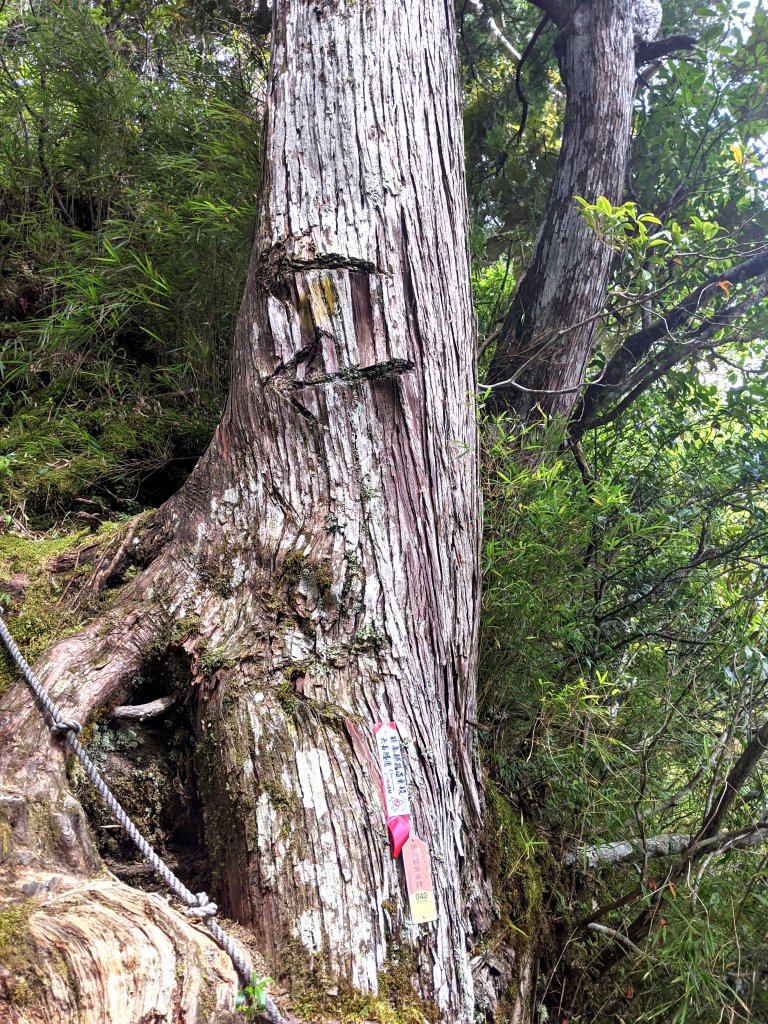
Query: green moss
{"points": [[396, 984], [278, 794], [323, 576], [56, 455], [229, 801], [396, 1002], [294, 565], [13, 928], [297, 567], [16, 953], [142, 784], [332, 714], [20, 993], [369, 637], [61, 968], [214, 658], [172, 632], [286, 695], [517, 861], [6, 840], [357, 1009], [206, 1005], [39, 823], [42, 614], [184, 627], [322, 999]]}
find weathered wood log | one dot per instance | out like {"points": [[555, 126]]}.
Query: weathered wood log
{"points": [[143, 712], [74, 950]]}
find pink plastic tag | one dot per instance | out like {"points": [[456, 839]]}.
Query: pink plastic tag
{"points": [[418, 879]]}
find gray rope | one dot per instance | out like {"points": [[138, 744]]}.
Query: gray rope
{"points": [[197, 904]]}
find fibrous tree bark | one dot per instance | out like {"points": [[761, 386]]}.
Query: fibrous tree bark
{"points": [[540, 360], [539, 365], [319, 571]]}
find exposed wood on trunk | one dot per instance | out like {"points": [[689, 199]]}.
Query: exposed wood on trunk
{"points": [[97, 950]]}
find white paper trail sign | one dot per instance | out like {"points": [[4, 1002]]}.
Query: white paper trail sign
{"points": [[392, 769], [394, 784]]}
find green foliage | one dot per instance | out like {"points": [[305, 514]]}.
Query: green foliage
{"points": [[492, 288], [623, 650], [128, 172], [507, 173], [623, 229], [624, 659], [40, 615], [253, 998]]}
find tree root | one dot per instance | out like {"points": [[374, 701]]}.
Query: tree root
{"points": [[95, 951]]}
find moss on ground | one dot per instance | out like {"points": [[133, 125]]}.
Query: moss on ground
{"points": [[13, 929], [39, 615], [321, 1000], [100, 454], [357, 1009]]}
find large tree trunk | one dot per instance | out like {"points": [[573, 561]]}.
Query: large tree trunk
{"points": [[319, 571], [539, 364]]}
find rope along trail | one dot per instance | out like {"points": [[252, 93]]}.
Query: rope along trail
{"points": [[197, 905]]}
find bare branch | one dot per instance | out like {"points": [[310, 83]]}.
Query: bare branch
{"points": [[589, 858], [494, 29], [707, 840], [735, 779], [683, 791], [613, 934], [519, 70], [699, 340], [638, 345], [141, 712], [660, 48]]}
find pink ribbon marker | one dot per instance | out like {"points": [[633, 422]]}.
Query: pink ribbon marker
{"points": [[394, 786]]}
